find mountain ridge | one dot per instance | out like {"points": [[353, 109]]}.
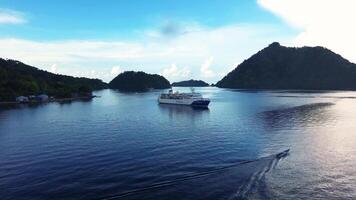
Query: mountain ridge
{"points": [[280, 67]]}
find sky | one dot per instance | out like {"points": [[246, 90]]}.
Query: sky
{"points": [[181, 39]]}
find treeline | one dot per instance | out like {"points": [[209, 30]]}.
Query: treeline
{"points": [[18, 79], [131, 81]]}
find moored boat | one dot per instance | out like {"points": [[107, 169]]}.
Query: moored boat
{"points": [[189, 99]]}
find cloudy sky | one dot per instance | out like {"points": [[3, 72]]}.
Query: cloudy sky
{"points": [[180, 39]]}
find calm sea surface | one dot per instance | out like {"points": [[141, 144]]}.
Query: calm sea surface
{"points": [[126, 146]]}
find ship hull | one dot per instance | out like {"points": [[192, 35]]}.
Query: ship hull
{"points": [[186, 102]]}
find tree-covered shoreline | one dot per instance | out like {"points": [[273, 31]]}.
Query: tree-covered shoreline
{"points": [[19, 79]]}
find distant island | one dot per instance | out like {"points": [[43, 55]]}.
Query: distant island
{"points": [[306, 68], [18, 79], [131, 81], [190, 83]]}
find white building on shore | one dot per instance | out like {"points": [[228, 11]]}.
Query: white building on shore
{"points": [[22, 99]]}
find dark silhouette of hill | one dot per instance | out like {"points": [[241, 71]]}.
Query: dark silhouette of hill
{"points": [[190, 83], [17, 78], [131, 81], [279, 67]]}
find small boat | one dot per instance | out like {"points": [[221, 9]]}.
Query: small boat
{"points": [[283, 154], [189, 99]]}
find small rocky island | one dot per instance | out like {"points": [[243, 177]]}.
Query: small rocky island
{"points": [[131, 81], [190, 83], [23, 83], [306, 68]]}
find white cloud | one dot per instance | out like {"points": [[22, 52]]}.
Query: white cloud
{"points": [[174, 73], [205, 68], [171, 71], [228, 44], [54, 69], [328, 23], [11, 17], [116, 70], [185, 72]]}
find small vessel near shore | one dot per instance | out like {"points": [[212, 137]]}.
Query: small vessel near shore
{"points": [[188, 99]]}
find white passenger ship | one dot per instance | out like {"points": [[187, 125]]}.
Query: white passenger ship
{"points": [[188, 99]]}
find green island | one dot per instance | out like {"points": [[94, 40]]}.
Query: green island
{"points": [[131, 81], [190, 83], [305, 68]]}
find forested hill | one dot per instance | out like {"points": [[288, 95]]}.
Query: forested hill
{"points": [[131, 81], [17, 78], [279, 67], [190, 83]]}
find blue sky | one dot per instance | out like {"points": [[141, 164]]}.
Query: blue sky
{"points": [[179, 39], [124, 19]]}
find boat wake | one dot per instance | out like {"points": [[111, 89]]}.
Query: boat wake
{"points": [[257, 179], [249, 174]]}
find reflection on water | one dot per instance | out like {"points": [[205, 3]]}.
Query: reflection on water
{"points": [[19, 106], [122, 142], [305, 91], [317, 96], [304, 115], [37, 105], [174, 111]]}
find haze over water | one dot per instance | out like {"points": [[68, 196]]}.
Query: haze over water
{"points": [[122, 142]]}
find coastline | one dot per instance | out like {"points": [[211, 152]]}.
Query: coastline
{"points": [[49, 101]]}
